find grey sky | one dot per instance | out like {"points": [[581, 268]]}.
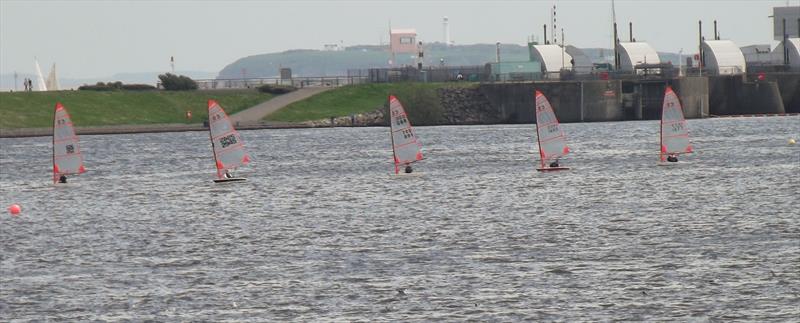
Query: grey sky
{"points": [[100, 38]]}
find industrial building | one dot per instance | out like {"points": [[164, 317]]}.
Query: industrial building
{"points": [[790, 56], [633, 54], [553, 59], [723, 57]]}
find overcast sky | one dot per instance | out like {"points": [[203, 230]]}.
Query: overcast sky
{"points": [[100, 38]]}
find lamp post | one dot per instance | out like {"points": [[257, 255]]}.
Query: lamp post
{"points": [[497, 60]]}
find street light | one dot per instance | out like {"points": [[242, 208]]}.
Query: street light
{"points": [[497, 60]]}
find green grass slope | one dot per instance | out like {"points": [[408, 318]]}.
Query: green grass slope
{"points": [[90, 108], [420, 100]]}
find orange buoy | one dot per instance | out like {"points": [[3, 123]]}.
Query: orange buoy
{"points": [[14, 209]]}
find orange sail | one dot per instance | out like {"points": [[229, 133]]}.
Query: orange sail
{"points": [[674, 130], [405, 145], [227, 144], [67, 158], [552, 142]]}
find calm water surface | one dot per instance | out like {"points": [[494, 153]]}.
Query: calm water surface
{"points": [[321, 231]]}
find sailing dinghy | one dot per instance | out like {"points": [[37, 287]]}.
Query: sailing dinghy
{"points": [[552, 142], [226, 143], [406, 147], [67, 158], [674, 130]]}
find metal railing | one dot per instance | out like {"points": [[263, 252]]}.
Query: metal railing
{"points": [[247, 83], [721, 70], [473, 73]]}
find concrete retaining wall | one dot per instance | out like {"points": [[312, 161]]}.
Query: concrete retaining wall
{"points": [[732, 95], [600, 100], [789, 87], [693, 93]]}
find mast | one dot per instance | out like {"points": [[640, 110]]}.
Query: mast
{"points": [[54, 143], [211, 138], [391, 137], [539, 141], [615, 39], [538, 137], [661, 133]]}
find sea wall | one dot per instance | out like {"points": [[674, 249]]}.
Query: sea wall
{"points": [[693, 93], [789, 87], [597, 100], [733, 95]]}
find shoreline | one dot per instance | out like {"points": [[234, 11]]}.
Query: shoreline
{"points": [[178, 127], [148, 128]]}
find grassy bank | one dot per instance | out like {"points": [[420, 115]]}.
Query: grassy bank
{"points": [[90, 108], [419, 99]]}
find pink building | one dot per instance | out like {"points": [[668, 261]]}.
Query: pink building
{"points": [[403, 41]]}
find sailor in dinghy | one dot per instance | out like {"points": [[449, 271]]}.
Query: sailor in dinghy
{"points": [[551, 139], [405, 146], [67, 157], [674, 132], [226, 143]]}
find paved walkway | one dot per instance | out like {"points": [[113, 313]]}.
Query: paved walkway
{"points": [[258, 112]]}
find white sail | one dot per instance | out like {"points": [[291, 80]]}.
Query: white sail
{"points": [[40, 84], [552, 142], [674, 130], [52, 80], [226, 142], [407, 148], [67, 158]]}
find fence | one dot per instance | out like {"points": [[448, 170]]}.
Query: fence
{"points": [[473, 73], [719, 70], [426, 74], [223, 84]]}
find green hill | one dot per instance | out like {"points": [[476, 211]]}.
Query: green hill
{"points": [[91, 108], [306, 62], [420, 100]]}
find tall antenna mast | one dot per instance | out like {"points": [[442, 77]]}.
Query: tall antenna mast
{"points": [[553, 28], [613, 22], [446, 24]]}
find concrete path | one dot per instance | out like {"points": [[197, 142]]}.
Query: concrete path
{"points": [[258, 112]]}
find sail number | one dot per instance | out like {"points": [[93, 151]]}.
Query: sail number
{"points": [[552, 128], [401, 121], [70, 149], [228, 140], [677, 126], [407, 133]]}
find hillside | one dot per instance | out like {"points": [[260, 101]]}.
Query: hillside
{"points": [[421, 101], [307, 62], [90, 108]]}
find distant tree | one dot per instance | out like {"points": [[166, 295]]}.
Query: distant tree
{"points": [[116, 86], [172, 82]]}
